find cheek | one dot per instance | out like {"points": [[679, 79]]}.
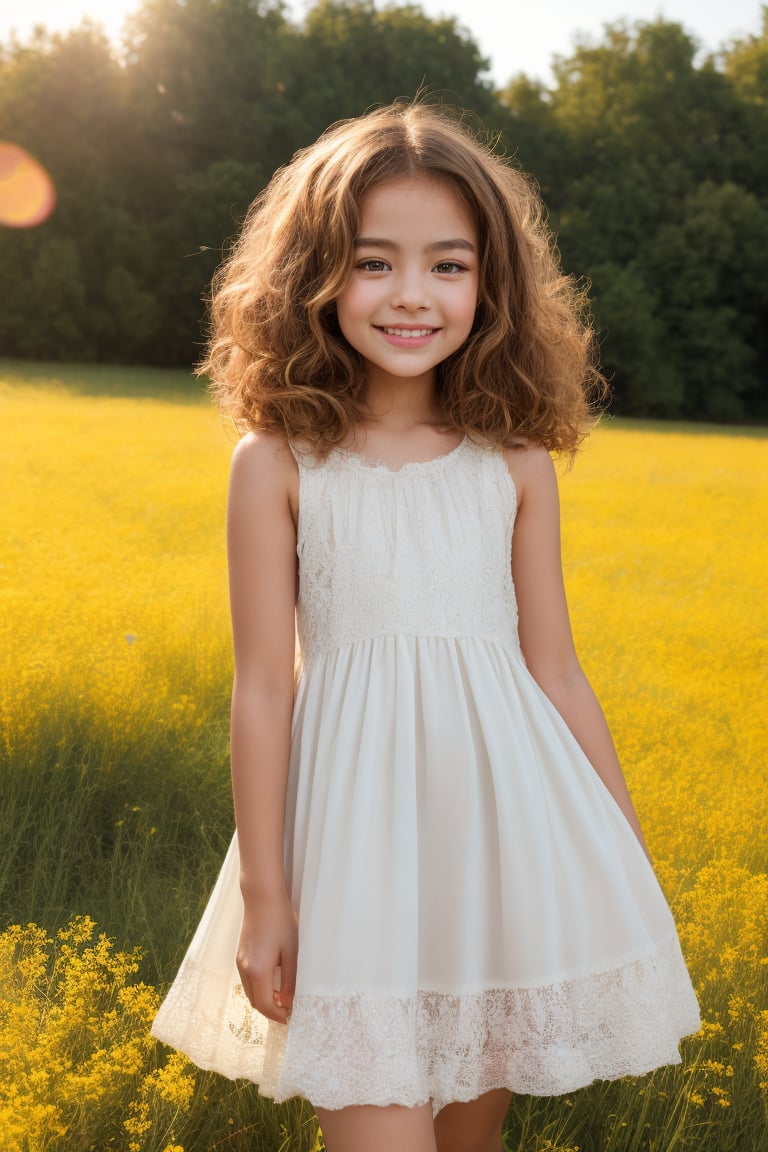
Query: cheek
{"points": [[466, 306], [352, 304], [352, 312], [342, 312], [356, 308]]}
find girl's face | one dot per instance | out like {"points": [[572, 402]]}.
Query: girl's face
{"points": [[411, 298]]}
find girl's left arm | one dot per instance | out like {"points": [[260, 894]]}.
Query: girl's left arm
{"points": [[545, 630]]}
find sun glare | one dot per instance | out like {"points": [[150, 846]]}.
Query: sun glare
{"points": [[27, 194], [55, 16]]}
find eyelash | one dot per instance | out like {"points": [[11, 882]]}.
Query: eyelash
{"points": [[453, 265]]}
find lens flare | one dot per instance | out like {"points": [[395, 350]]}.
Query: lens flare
{"points": [[27, 195]]}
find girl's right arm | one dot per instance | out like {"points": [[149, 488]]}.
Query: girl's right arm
{"points": [[261, 548]]}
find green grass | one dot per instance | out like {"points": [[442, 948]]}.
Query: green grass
{"points": [[174, 386]]}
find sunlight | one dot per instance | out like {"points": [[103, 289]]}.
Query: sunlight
{"points": [[57, 17]]}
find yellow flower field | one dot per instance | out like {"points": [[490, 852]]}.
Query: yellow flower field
{"points": [[114, 809]]}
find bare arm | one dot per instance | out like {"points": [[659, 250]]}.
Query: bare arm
{"points": [[261, 546], [545, 630]]}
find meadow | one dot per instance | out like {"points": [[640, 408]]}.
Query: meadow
{"points": [[115, 808]]}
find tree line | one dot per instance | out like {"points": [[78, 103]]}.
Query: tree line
{"points": [[653, 167]]}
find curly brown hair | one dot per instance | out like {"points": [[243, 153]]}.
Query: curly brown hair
{"points": [[277, 359]]}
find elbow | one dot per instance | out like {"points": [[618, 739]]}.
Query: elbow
{"points": [[557, 677], [263, 689]]}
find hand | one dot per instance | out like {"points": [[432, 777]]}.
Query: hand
{"points": [[266, 955]]}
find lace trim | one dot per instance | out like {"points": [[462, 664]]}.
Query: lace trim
{"points": [[367, 1048], [408, 468]]}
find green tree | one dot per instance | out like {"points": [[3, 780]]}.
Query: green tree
{"points": [[745, 64], [628, 315], [535, 139], [207, 78], [210, 208], [62, 98], [710, 273], [58, 293], [655, 175], [353, 55]]}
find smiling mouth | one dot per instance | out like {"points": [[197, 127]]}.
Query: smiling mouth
{"points": [[409, 333]]}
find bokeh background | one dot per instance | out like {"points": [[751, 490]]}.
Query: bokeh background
{"points": [[129, 154]]}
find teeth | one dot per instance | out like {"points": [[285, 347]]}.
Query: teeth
{"points": [[409, 333]]}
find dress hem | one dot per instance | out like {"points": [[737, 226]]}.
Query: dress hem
{"points": [[362, 1048]]}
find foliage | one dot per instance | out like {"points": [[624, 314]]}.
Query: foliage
{"points": [[654, 171], [114, 791], [356, 55], [76, 1051], [80, 1071], [654, 168]]}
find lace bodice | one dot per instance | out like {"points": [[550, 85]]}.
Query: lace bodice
{"points": [[422, 551]]}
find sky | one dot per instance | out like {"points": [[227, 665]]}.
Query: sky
{"points": [[516, 35]]}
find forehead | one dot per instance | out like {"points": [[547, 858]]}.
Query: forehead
{"points": [[415, 204]]}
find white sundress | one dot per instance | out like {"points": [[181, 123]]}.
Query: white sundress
{"points": [[474, 909]]}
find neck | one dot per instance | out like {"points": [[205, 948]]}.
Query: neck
{"points": [[401, 402]]}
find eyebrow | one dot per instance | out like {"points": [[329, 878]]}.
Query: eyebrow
{"points": [[437, 246]]}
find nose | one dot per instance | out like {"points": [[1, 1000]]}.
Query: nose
{"points": [[411, 291]]}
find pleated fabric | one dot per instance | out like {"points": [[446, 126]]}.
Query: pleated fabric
{"points": [[474, 910]]}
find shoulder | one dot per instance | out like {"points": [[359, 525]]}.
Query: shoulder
{"points": [[262, 456], [263, 469], [263, 460], [531, 468]]}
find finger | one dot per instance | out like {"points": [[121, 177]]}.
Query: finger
{"points": [[265, 1001], [281, 1006], [259, 994], [280, 999], [287, 977], [277, 988]]}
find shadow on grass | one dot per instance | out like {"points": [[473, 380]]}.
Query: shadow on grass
{"points": [[173, 385], [684, 427]]}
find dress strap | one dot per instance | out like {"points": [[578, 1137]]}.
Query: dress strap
{"points": [[309, 460], [302, 455]]}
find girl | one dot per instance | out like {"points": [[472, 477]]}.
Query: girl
{"points": [[439, 892]]}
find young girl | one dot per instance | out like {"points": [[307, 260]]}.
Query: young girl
{"points": [[439, 891]]}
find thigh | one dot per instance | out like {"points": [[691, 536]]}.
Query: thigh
{"points": [[474, 1126], [366, 1128]]}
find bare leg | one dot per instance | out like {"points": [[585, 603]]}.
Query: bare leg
{"points": [[366, 1128], [474, 1126]]}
